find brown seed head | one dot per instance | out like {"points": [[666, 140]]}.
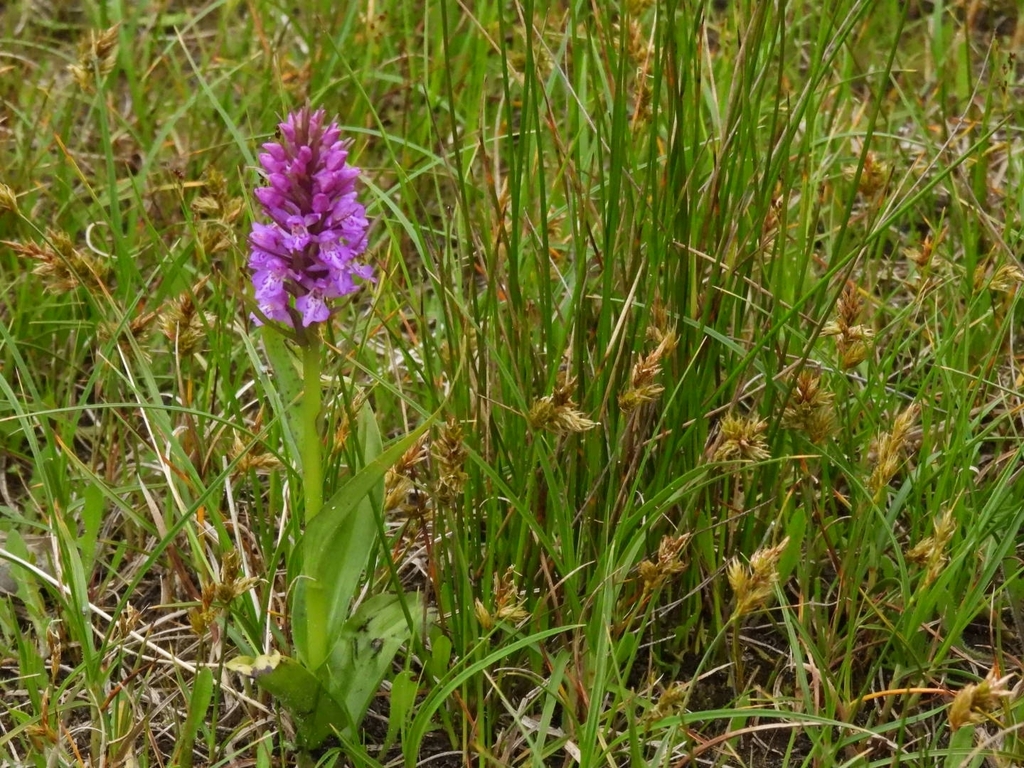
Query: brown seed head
{"points": [[127, 620], [8, 199], [643, 386], [669, 562], [97, 55], [922, 256], [873, 178], [740, 439], [61, 266], [930, 552], [448, 455], [508, 602], [810, 408], [255, 458], [975, 703], [483, 616], [853, 341], [753, 585], [232, 584], [200, 620], [670, 701], [889, 450], [185, 327], [1007, 279], [402, 493], [557, 412], [54, 644]]}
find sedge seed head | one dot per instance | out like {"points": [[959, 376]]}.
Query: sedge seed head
{"points": [[889, 449], [753, 585], [874, 176], [557, 412], [930, 552], [61, 266], [643, 387], [184, 325], [976, 702], [1007, 279], [251, 458], [448, 456], [810, 408], [669, 562], [508, 602], [97, 55], [740, 438], [8, 199], [853, 340]]}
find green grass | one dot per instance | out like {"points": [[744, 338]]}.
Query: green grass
{"points": [[771, 250]]}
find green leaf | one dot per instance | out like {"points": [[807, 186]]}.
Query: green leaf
{"points": [[458, 676], [337, 544], [198, 705], [371, 447], [796, 528], [287, 384], [92, 520], [328, 582], [440, 657], [317, 716], [961, 752], [365, 648], [400, 705], [78, 594]]}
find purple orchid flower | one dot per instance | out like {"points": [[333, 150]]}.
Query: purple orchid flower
{"points": [[308, 253]]}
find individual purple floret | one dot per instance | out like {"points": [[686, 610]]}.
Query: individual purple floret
{"points": [[307, 254]]}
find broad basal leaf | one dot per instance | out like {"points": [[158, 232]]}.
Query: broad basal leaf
{"points": [[365, 648], [337, 545]]}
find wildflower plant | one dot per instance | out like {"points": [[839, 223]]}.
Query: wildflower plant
{"points": [[306, 255]]}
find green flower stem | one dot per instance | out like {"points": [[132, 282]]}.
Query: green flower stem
{"points": [[313, 492], [312, 468]]}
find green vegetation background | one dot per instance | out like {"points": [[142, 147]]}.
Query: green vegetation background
{"points": [[723, 306]]}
